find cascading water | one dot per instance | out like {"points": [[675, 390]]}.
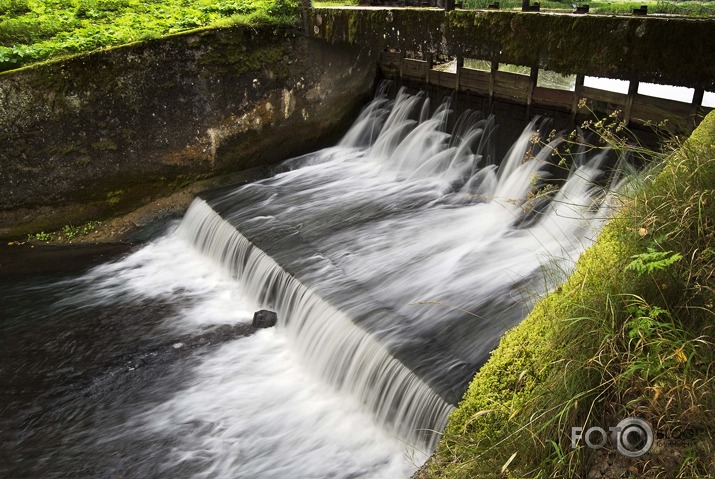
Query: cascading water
{"points": [[401, 232], [395, 261]]}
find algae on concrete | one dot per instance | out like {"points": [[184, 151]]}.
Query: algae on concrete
{"points": [[654, 49]]}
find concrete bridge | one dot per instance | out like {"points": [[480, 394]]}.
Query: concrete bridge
{"points": [[414, 45]]}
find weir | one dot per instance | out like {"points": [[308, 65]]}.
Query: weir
{"points": [[396, 259], [331, 345]]}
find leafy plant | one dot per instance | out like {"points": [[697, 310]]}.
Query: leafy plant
{"points": [[14, 7], [41, 236], [67, 233], [647, 263], [70, 232]]}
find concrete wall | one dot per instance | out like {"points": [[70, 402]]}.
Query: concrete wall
{"points": [[646, 49], [100, 134]]}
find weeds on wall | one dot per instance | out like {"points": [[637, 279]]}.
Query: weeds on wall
{"points": [[66, 234]]}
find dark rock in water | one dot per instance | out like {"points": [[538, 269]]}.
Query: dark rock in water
{"points": [[264, 319]]}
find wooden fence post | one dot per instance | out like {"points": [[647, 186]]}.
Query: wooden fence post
{"points": [[632, 91], [429, 57], [533, 78], [576, 96]]}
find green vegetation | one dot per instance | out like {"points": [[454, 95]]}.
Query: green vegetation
{"points": [[686, 8], [36, 30], [682, 8], [629, 334], [114, 197], [336, 3], [67, 233]]}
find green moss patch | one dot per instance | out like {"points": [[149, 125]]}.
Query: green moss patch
{"points": [[37, 30], [629, 48]]}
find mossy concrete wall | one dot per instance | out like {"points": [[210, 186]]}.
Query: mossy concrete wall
{"points": [[100, 134], [652, 49]]}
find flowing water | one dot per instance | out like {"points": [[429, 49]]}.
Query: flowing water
{"points": [[394, 260]]}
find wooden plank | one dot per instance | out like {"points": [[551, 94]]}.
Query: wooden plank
{"points": [[391, 57], [429, 57], [551, 97], [414, 69], [632, 92], [613, 98], [511, 86], [533, 78], [492, 74], [460, 67], [577, 95], [390, 64], [698, 95], [476, 81], [648, 108], [443, 79]]}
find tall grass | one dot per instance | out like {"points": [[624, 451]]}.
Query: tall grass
{"points": [[629, 334], [35, 30]]}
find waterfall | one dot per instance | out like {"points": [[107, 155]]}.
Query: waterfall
{"points": [[335, 348], [396, 259]]}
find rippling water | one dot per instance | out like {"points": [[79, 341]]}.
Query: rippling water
{"points": [[395, 261]]}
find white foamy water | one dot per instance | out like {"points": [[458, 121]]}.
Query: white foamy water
{"points": [[253, 412], [171, 269], [395, 261], [252, 408]]}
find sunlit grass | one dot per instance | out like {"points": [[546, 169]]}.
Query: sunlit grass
{"points": [[620, 7], [36, 30], [685, 8]]}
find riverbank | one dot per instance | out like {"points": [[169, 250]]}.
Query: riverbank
{"points": [[630, 334], [142, 223], [36, 31]]}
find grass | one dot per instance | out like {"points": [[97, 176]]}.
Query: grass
{"points": [[37, 30], [681, 8], [694, 9], [629, 334], [336, 3]]}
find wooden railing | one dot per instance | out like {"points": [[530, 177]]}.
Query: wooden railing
{"points": [[497, 85]]}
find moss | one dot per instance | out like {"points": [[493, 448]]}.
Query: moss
{"points": [[620, 47], [114, 197], [235, 52], [525, 359], [68, 149], [104, 145], [353, 23], [548, 373]]}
